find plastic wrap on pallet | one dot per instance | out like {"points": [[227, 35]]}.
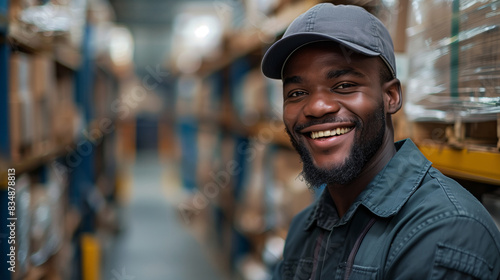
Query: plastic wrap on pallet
{"points": [[454, 52], [23, 200], [53, 18]]}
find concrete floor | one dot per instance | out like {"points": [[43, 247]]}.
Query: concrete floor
{"points": [[155, 245]]}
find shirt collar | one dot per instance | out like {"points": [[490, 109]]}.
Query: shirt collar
{"points": [[386, 193], [324, 212]]}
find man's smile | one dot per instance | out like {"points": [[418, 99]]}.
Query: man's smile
{"points": [[330, 133], [325, 131]]}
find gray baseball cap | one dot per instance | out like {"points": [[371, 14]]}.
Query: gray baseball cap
{"points": [[350, 26]]}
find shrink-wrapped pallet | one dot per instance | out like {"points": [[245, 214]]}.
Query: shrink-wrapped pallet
{"points": [[454, 52]]}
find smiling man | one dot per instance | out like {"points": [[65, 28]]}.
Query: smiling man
{"points": [[386, 213]]}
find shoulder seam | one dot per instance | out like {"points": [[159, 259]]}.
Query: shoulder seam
{"points": [[444, 187]]}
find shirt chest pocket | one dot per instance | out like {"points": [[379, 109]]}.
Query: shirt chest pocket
{"points": [[303, 270], [298, 270], [357, 272]]}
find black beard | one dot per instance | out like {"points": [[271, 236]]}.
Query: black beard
{"points": [[367, 142]]}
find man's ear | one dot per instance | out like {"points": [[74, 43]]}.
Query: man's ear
{"points": [[393, 99]]}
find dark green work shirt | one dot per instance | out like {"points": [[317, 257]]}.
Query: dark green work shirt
{"points": [[426, 226]]}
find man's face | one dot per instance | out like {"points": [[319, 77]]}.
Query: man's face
{"points": [[333, 111]]}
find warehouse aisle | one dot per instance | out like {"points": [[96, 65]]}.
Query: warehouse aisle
{"points": [[155, 245]]}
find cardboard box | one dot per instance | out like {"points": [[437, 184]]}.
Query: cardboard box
{"points": [[15, 108], [64, 113], [21, 105], [42, 87], [42, 76]]}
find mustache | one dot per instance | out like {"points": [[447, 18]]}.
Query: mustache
{"points": [[299, 127]]}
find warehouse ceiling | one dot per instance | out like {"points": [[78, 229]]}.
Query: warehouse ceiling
{"points": [[150, 22]]}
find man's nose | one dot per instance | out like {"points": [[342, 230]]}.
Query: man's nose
{"points": [[321, 103]]}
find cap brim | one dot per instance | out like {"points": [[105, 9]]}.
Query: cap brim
{"points": [[278, 53]]}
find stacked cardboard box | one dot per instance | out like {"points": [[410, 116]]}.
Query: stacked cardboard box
{"points": [[21, 105], [64, 114], [43, 85], [41, 105]]}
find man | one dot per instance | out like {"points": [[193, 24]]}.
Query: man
{"points": [[385, 212]]}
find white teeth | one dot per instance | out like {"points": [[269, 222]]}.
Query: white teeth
{"points": [[327, 133]]}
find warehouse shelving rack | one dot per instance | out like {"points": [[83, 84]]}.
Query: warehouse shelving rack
{"points": [[80, 63], [467, 164]]}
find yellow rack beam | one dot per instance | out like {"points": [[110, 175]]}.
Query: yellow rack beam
{"points": [[465, 164]]}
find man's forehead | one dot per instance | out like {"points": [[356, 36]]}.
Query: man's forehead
{"points": [[333, 60]]}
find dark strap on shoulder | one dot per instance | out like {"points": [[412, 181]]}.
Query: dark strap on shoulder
{"points": [[354, 251]]}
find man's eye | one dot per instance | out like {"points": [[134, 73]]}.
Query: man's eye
{"points": [[344, 86], [296, 94]]}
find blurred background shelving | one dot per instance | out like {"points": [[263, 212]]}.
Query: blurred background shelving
{"points": [[59, 133], [126, 119]]}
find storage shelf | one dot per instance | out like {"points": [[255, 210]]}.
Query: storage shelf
{"points": [[61, 149], [63, 54], [467, 164], [31, 163], [50, 117], [27, 40]]}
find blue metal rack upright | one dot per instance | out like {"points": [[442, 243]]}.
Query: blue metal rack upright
{"points": [[238, 70], [4, 14], [82, 177], [4, 82], [4, 135]]}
